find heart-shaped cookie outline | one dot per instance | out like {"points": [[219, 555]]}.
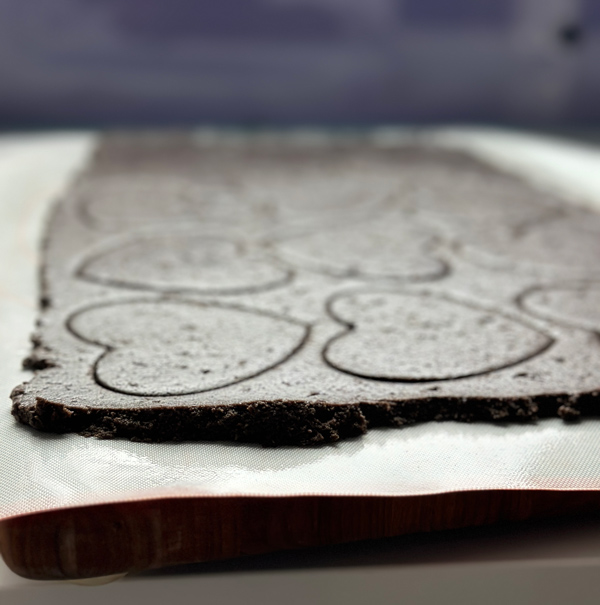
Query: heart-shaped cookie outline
{"points": [[307, 328], [120, 242], [567, 286], [313, 265], [350, 327]]}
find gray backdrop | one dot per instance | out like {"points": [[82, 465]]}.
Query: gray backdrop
{"points": [[76, 62]]}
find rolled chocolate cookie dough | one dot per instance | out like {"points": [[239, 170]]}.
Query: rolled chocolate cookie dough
{"points": [[287, 294]]}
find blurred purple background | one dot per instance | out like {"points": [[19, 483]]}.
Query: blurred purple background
{"points": [[256, 62]]}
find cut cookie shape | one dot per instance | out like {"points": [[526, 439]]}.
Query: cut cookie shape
{"points": [[419, 338], [136, 200], [461, 195], [374, 250], [575, 305], [184, 262], [568, 245], [319, 187], [315, 197], [177, 348]]}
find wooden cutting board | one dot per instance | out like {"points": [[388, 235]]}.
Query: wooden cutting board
{"points": [[126, 537], [102, 540]]}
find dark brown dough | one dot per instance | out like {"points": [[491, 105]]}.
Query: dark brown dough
{"points": [[287, 294]]}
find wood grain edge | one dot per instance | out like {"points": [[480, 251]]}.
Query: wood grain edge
{"points": [[109, 539]]}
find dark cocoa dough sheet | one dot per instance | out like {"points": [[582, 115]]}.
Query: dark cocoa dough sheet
{"points": [[281, 294]]}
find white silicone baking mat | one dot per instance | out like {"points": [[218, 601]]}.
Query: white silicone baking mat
{"points": [[44, 471]]}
